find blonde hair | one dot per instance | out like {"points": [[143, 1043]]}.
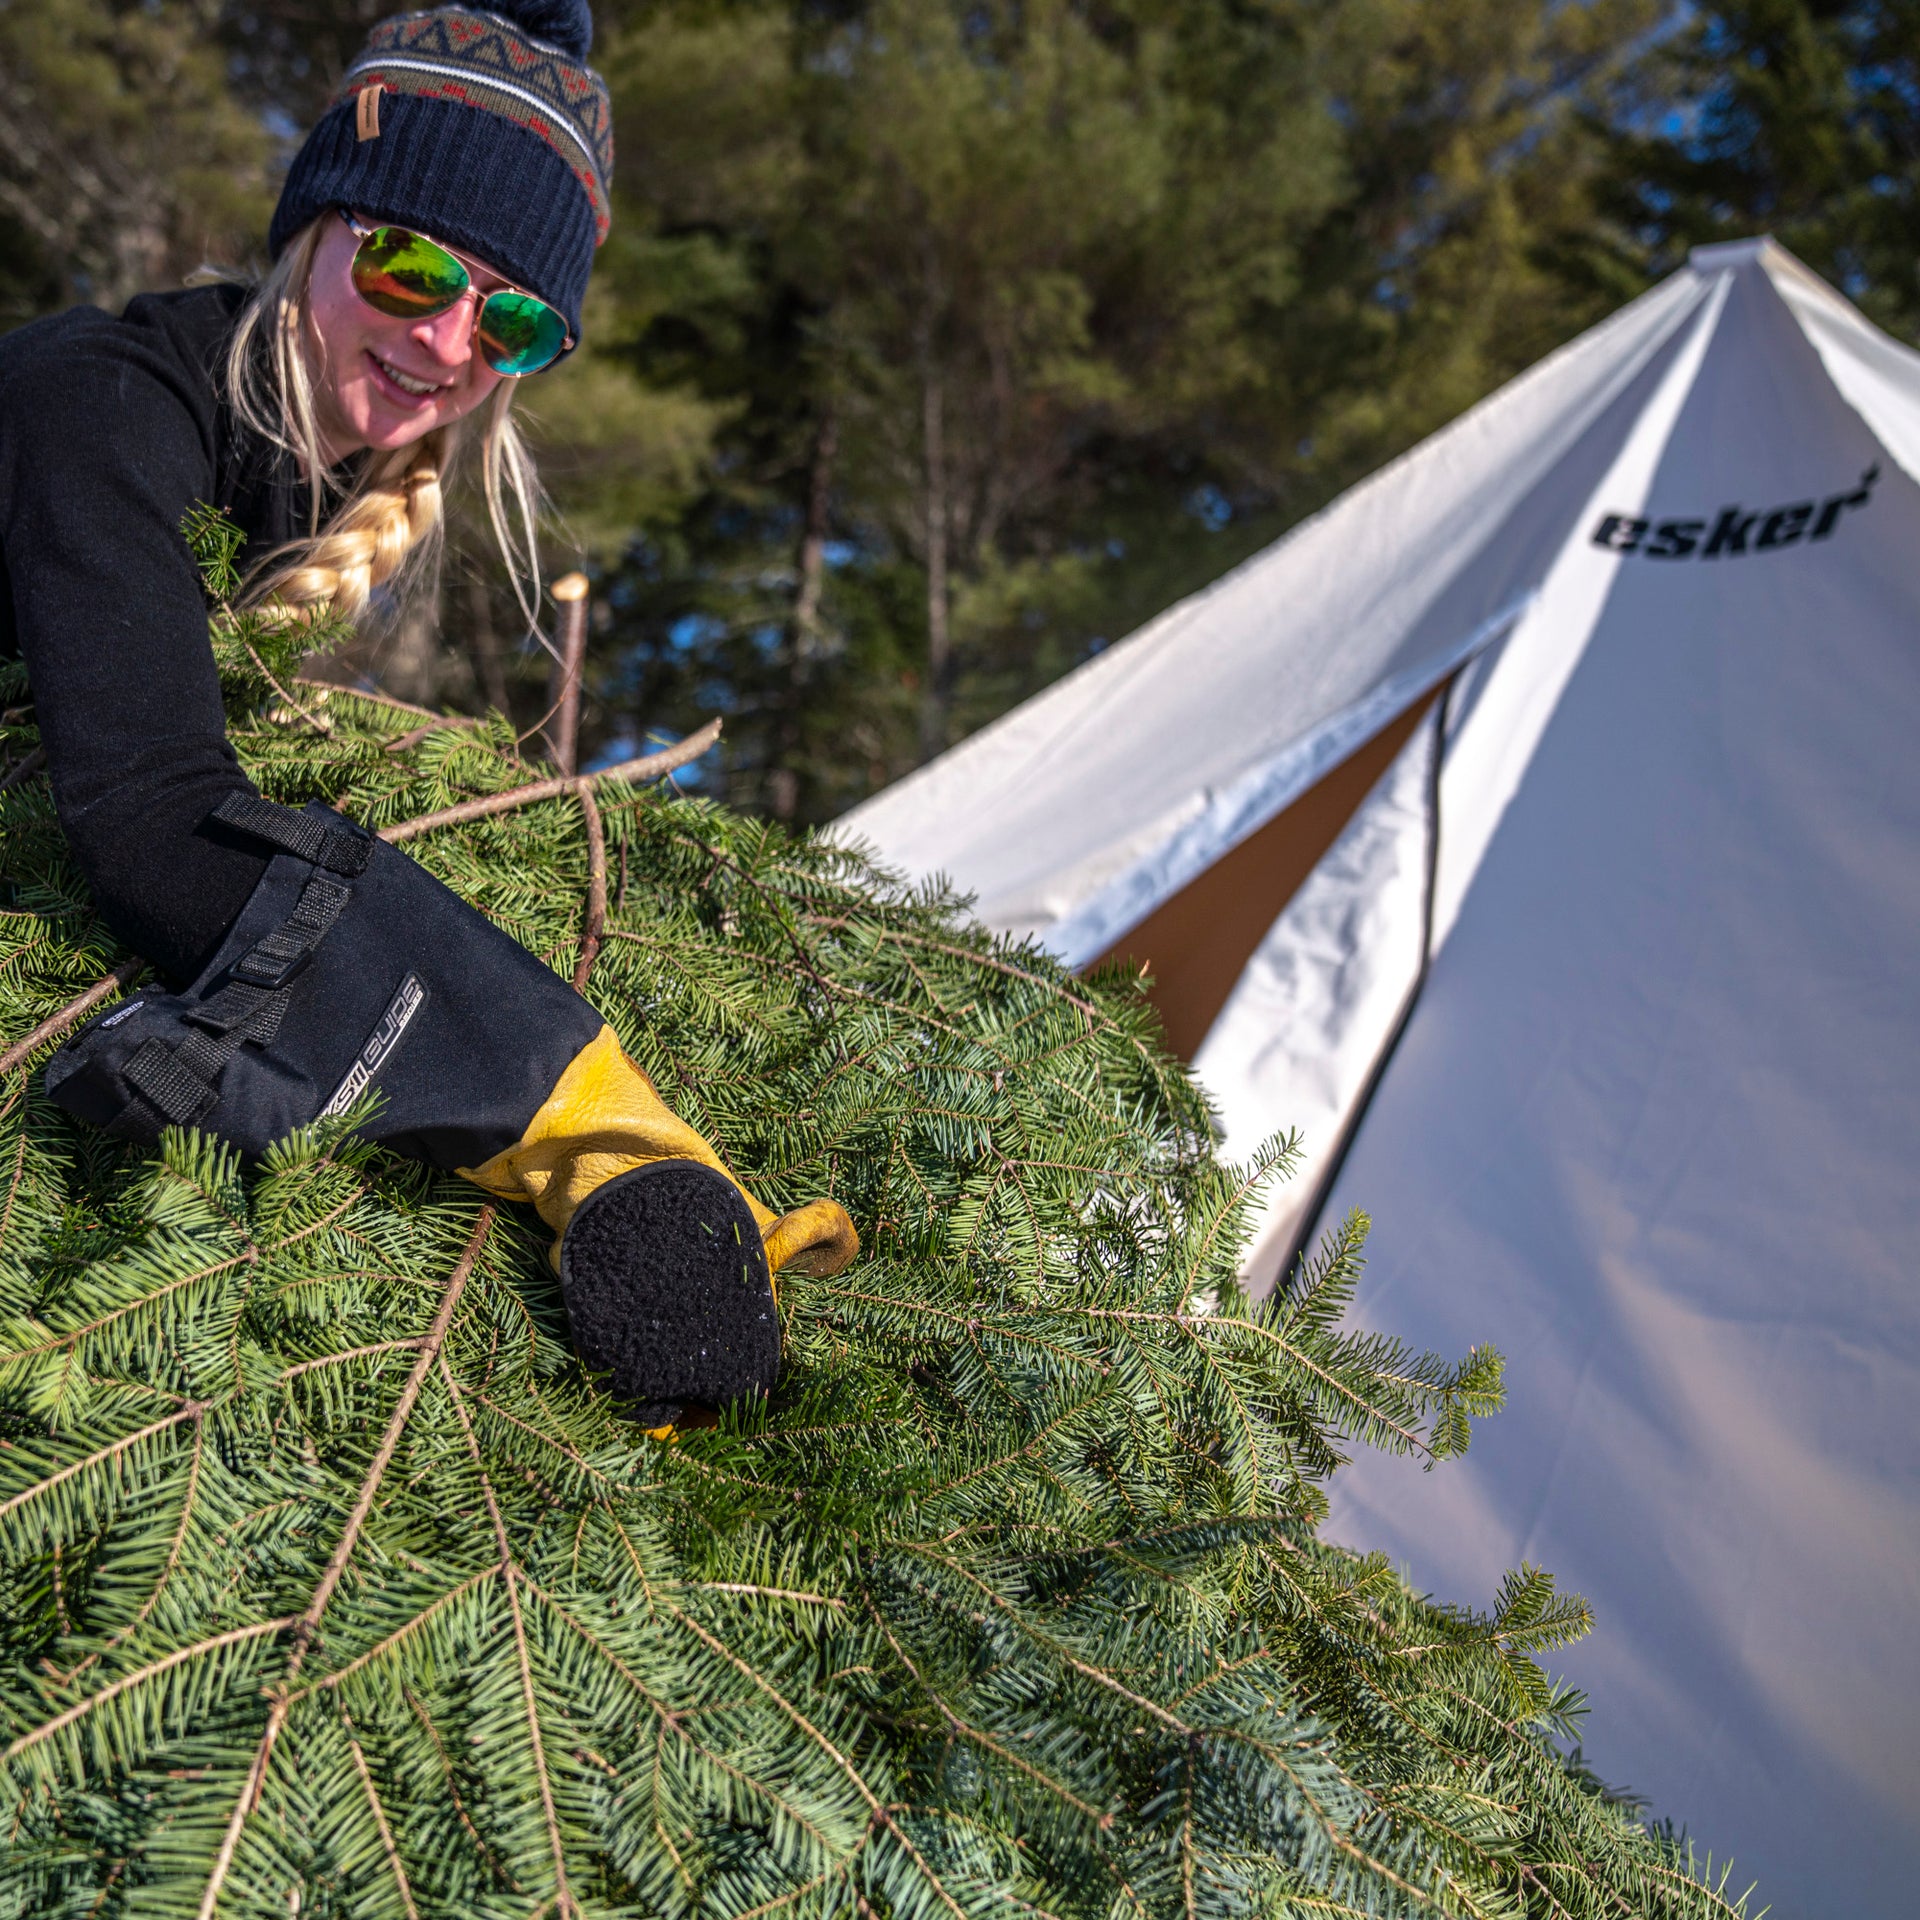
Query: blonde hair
{"points": [[387, 528]]}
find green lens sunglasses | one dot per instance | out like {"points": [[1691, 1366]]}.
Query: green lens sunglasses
{"points": [[414, 278]]}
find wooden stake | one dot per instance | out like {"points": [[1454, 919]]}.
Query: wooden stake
{"points": [[563, 686]]}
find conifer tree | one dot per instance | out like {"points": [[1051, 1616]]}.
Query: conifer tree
{"points": [[124, 159], [1798, 118], [329, 1585]]}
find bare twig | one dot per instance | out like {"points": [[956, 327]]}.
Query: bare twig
{"points": [[25, 770], [318, 721], [443, 724], [648, 767], [122, 977], [596, 883]]}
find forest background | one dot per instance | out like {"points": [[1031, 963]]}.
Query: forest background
{"points": [[939, 343]]}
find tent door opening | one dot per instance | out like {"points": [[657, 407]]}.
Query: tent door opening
{"points": [[1196, 944]]}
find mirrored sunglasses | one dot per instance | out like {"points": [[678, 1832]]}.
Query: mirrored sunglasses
{"points": [[414, 278]]}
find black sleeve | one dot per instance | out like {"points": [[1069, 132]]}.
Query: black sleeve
{"points": [[106, 440]]}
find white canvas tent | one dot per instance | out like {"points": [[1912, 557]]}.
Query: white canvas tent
{"points": [[1538, 829]]}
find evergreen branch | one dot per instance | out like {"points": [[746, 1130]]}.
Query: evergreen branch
{"points": [[998, 1748], [318, 1226], [308, 1621], [388, 1844], [838, 1872], [1270, 1161], [1339, 1390], [1531, 1874], [781, 920], [378, 699], [192, 1411], [1054, 1647], [563, 1898], [246, 1257], [655, 1705], [670, 1721], [122, 977], [1018, 1398], [353, 1353], [647, 767], [1187, 1890], [328, 1682], [1007, 1459], [760, 1593], [234, 1637], [845, 1766], [19, 1166], [167, 1567], [544, 1439], [969, 1323], [898, 936], [453, 1792], [1330, 1827], [318, 721]]}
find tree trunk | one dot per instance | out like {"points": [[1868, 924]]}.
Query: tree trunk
{"points": [[408, 654], [804, 640], [483, 643], [805, 636], [934, 694]]}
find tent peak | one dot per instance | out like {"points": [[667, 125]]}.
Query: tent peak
{"points": [[1728, 256]]}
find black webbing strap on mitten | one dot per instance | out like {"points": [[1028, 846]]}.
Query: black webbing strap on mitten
{"points": [[350, 970], [273, 960], [339, 849], [180, 1082]]}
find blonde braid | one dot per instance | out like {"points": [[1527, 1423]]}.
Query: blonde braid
{"points": [[389, 524]]}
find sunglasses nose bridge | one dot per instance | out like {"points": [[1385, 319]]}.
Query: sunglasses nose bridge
{"points": [[449, 333]]}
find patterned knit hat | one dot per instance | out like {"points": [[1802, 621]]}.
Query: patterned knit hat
{"points": [[486, 130]]}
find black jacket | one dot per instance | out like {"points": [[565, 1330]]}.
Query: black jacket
{"points": [[110, 431]]}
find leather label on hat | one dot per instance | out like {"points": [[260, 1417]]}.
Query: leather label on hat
{"points": [[367, 113]]}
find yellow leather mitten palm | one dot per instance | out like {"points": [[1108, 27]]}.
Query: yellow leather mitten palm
{"points": [[603, 1118], [666, 1261]]}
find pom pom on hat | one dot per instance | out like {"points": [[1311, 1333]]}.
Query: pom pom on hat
{"points": [[566, 24]]}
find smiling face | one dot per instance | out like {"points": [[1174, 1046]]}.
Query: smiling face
{"points": [[381, 381]]}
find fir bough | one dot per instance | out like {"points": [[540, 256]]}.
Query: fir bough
{"points": [[328, 1585]]}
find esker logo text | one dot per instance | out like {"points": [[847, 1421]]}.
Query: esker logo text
{"points": [[1733, 530]]}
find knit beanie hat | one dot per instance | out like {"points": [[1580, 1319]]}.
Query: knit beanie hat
{"points": [[483, 129]]}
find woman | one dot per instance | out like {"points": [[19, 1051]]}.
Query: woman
{"points": [[431, 248]]}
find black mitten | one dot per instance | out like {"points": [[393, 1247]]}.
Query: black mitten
{"points": [[349, 967]]}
